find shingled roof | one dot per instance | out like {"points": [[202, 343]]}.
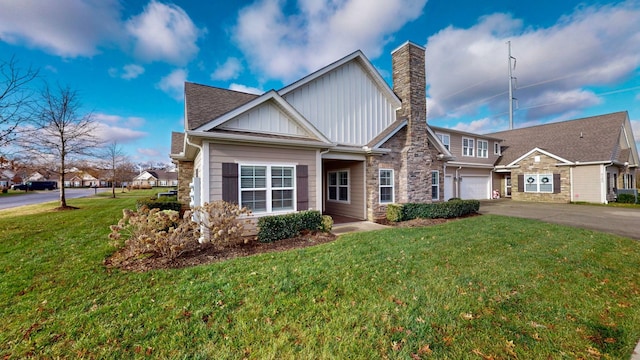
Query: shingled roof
{"points": [[205, 103], [593, 138], [177, 142]]}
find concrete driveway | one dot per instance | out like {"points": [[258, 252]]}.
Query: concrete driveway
{"points": [[614, 220]]}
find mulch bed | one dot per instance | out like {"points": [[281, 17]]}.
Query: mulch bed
{"points": [[206, 254]]}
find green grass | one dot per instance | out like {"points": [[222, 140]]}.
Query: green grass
{"points": [[482, 286]]}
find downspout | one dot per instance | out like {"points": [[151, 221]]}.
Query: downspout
{"points": [[457, 187], [319, 182]]}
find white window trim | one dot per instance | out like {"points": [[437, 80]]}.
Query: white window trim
{"points": [[392, 186], [537, 181], [269, 188], [483, 152], [435, 174], [496, 148], [348, 186], [470, 141], [447, 144]]}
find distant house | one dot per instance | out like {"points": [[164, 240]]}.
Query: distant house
{"points": [[586, 159], [155, 178], [80, 179], [6, 178]]}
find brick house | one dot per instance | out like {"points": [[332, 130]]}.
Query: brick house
{"points": [[339, 140]]}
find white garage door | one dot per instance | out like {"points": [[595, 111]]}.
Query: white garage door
{"points": [[474, 187]]}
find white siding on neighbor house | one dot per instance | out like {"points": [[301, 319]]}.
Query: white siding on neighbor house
{"points": [[267, 118], [586, 183], [246, 154], [345, 104]]}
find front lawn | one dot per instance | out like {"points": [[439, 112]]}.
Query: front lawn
{"points": [[481, 287]]}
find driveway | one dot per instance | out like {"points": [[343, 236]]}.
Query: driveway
{"points": [[614, 220]]}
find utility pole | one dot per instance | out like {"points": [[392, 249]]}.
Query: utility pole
{"points": [[511, 77]]}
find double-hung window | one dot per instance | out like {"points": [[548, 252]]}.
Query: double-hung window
{"points": [[467, 147], [267, 188], [483, 148], [435, 185], [540, 183], [445, 139], [338, 186], [386, 186]]}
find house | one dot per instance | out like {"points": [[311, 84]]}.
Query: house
{"points": [[469, 174], [6, 178], [339, 140], [587, 159], [156, 178]]}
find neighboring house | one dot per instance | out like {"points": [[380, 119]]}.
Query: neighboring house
{"points": [[156, 178], [469, 174], [6, 178], [587, 160], [80, 179], [339, 140]]}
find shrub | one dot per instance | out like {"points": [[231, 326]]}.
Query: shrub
{"points": [[153, 232], [164, 203], [394, 212], [5, 190], [220, 222], [449, 209], [327, 223], [626, 198], [278, 227]]}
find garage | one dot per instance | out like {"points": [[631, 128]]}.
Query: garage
{"points": [[475, 187], [448, 187]]}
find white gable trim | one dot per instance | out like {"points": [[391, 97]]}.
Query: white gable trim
{"points": [[391, 134], [562, 160], [268, 96], [439, 145], [360, 58]]}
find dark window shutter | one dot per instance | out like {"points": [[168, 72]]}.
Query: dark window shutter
{"points": [[302, 187], [520, 183], [230, 182], [556, 183]]}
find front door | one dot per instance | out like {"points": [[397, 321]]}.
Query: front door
{"points": [[507, 186]]}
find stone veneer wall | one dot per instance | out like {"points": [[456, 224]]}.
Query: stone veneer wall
{"points": [[546, 165], [185, 174], [409, 83]]}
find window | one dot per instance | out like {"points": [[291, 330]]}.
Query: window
{"points": [[338, 186], [267, 188], [483, 148], [386, 185], [541, 183], [435, 185], [627, 181], [496, 148], [467, 147], [446, 140]]}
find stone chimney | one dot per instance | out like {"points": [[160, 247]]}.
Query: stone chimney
{"points": [[409, 83]]}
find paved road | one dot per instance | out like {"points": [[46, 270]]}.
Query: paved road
{"points": [[614, 220], [36, 197]]}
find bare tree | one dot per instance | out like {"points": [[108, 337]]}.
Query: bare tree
{"points": [[114, 157], [61, 132], [15, 97]]}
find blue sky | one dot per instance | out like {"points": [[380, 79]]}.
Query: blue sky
{"points": [[129, 59]]}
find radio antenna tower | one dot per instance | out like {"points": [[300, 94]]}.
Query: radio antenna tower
{"points": [[511, 78]]}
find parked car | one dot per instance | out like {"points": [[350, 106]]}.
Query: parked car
{"points": [[36, 185]]}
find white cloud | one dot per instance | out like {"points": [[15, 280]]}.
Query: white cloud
{"points": [[164, 32], [173, 84], [227, 71], [593, 46], [288, 46], [149, 152], [245, 89], [67, 28], [476, 126], [128, 72], [118, 128], [635, 126]]}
